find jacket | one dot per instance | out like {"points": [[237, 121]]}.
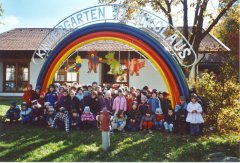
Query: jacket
{"points": [[169, 119], [74, 104], [134, 114], [120, 103], [179, 106], [64, 119], [154, 103], [65, 102], [143, 108], [25, 113], [87, 117], [51, 97], [166, 105], [27, 97], [109, 103], [13, 112], [194, 117], [181, 115], [158, 117], [94, 106]]}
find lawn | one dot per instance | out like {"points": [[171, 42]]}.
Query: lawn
{"points": [[29, 143]]}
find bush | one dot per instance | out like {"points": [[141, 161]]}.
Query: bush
{"points": [[221, 91]]}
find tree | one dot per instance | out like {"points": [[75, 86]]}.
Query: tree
{"points": [[196, 35], [228, 29]]}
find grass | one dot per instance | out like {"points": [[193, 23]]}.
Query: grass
{"points": [[29, 143]]}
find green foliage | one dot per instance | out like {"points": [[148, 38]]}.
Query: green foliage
{"points": [[29, 143], [221, 91], [228, 29]]}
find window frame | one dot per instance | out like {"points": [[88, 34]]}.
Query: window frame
{"points": [[17, 65]]}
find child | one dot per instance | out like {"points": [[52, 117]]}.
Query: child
{"points": [[27, 95], [50, 116], [87, 118], [147, 121], [181, 105], [36, 113], [60, 93], [143, 107], [75, 120], [13, 113], [119, 102], [194, 115], [181, 115], [51, 96], [108, 101], [79, 94], [74, 102], [25, 113], [134, 117], [158, 119], [61, 120], [166, 103], [65, 100], [154, 102], [41, 98], [94, 103], [119, 121], [169, 121], [36, 94]]}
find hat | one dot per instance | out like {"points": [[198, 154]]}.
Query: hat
{"points": [[158, 111], [50, 109], [34, 102], [143, 98], [62, 109], [42, 93], [47, 103], [87, 109], [23, 104], [193, 95], [38, 87], [134, 103], [182, 98], [14, 103]]}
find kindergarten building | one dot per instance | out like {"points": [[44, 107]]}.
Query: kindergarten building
{"points": [[90, 62]]}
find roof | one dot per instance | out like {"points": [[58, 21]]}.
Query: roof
{"points": [[30, 39]]}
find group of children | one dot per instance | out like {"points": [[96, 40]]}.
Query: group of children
{"points": [[76, 107]]}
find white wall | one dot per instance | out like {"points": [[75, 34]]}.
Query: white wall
{"points": [[88, 78], [34, 72], [148, 76], [1, 76]]}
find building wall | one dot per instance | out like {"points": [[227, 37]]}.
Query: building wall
{"points": [[34, 72], [88, 78], [1, 76], [148, 77]]}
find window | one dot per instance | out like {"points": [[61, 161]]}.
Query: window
{"points": [[16, 76], [62, 76]]}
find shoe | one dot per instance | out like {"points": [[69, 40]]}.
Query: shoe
{"points": [[150, 131]]}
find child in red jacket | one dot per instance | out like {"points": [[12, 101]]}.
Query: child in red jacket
{"points": [[159, 119], [28, 94]]}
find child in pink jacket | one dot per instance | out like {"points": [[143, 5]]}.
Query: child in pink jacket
{"points": [[120, 102]]}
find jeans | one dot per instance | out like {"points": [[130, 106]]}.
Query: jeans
{"points": [[158, 124], [168, 127], [133, 127], [26, 119], [194, 129]]}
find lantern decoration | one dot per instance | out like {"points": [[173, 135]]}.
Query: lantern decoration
{"points": [[93, 61], [134, 66], [76, 66], [114, 64]]}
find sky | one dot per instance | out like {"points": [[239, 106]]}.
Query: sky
{"points": [[47, 13]]}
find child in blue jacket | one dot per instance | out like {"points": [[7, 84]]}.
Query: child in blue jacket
{"points": [[25, 113], [13, 113], [154, 102], [51, 96]]}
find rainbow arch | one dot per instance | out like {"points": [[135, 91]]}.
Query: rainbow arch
{"points": [[141, 41]]}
